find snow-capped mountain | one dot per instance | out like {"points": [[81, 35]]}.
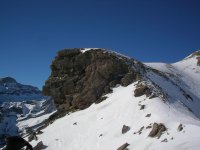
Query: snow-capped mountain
{"points": [[108, 101], [158, 110], [11, 90], [23, 108]]}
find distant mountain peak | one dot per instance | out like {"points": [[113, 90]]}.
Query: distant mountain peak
{"points": [[11, 90], [7, 80]]}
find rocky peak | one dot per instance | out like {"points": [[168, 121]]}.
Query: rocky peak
{"points": [[11, 90], [81, 77], [7, 80]]}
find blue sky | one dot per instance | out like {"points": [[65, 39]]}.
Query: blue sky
{"points": [[32, 31]]}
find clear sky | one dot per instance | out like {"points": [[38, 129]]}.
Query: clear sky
{"points": [[32, 31]]}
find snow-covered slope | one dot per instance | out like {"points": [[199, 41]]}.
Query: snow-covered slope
{"points": [[22, 108], [126, 118], [100, 126]]}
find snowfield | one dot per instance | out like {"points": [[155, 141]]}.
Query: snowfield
{"points": [[100, 126]]}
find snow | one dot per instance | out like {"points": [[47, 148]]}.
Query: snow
{"points": [[99, 127], [87, 49]]}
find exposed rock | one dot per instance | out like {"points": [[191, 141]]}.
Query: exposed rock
{"points": [[149, 127], [157, 130], [39, 146], [148, 115], [198, 61], [39, 132], [142, 107], [7, 80], [180, 128], [124, 147], [125, 129], [140, 131], [79, 79], [33, 136], [165, 140], [142, 89]]}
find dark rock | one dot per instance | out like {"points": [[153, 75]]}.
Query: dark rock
{"points": [[157, 130], [79, 79], [165, 140], [180, 128], [128, 79], [125, 129], [8, 80], [142, 107], [123, 147], [140, 131], [198, 61], [39, 146], [142, 89], [149, 127], [148, 115], [32, 137], [39, 132], [75, 123]]}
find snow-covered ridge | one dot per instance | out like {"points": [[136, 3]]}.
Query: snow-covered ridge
{"points": [[101, 126], [168, 96]]}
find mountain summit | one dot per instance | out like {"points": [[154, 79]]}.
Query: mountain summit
{"points": [[114, 102]]}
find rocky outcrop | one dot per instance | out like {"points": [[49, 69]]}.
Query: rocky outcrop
{"points": [[124, 147], [79, 79], [125, 129], [198, 61], [142, 89], [157, 130]]}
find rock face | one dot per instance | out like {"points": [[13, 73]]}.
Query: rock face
{"points": [[79, 79], [198, 61]]}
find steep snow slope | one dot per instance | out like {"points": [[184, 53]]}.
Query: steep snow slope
{"points": [[176, 106], [183, 76], [100, 126]]}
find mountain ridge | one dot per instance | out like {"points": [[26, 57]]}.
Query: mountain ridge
{"points": [[138, 105]]}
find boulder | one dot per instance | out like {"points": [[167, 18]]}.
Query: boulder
{"points": [[180, 128], [157, 130], [142, 89], [125, 129], [39, 146], [124, 147]]}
